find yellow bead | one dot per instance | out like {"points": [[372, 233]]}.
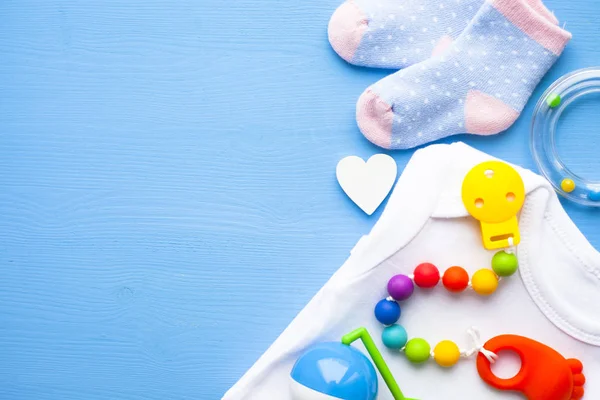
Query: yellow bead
{"points": [[446, 353], [484, 282], [567, 185]]}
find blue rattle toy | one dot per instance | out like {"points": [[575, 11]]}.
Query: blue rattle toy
{"points": [[336, 370]]}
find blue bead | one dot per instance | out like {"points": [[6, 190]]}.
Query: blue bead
{"points": [[394, 337], [387, 312], [594, 196]]}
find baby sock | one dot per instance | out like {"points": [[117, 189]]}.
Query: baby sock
{"points": [[399, 33], [479, 85]]}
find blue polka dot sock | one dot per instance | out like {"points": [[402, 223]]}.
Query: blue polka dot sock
{"points": [[399, 33], [479, 85]]}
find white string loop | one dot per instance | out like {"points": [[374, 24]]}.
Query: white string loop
{"points": [[511, 246], [478, 346]]}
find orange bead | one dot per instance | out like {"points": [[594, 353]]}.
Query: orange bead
{"points": [[455, 279]]}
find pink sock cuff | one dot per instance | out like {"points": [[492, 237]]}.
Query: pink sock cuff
{"points": [[541, 8], [533, 24]]}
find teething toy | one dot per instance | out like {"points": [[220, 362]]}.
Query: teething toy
{"points": [[560, 95], [493, 193], [544, 374]]}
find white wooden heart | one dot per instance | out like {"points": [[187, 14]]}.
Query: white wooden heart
{"points": [[367, 184]]}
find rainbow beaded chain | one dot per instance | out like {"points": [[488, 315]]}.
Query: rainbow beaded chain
{"points": [[455, 279]]}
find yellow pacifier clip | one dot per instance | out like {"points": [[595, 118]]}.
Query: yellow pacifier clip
{"points": [[493, 193]]}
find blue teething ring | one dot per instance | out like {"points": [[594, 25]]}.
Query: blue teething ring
{"points": [[548, 111]]}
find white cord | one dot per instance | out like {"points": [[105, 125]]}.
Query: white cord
{"points": [[478, 346], [511, 246]]}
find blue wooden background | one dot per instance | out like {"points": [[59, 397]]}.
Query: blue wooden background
{"points": [[168, 200]]}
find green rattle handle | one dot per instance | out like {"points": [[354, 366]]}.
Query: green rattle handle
{"points": [[386, 374]]}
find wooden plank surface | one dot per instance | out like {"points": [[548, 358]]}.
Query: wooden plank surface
{"points": [[168, 199]]}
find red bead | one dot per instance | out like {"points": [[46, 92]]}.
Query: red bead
{"points": [[426, 275], [455, 279]]}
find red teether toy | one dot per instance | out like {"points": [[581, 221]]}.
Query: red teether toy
{"points": [[544, 374]]}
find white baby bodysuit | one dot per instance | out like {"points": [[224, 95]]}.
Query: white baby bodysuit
{"points": [[555, 299]]}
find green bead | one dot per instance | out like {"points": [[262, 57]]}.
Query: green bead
{"points": [[553, 100], [417, 350], [504, 264]]}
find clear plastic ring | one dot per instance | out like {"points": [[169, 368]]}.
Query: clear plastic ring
{"points": [[548, 111]]}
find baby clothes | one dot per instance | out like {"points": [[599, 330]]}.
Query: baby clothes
{"points": [[554, 299], [400, 33], [479, 85]]}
